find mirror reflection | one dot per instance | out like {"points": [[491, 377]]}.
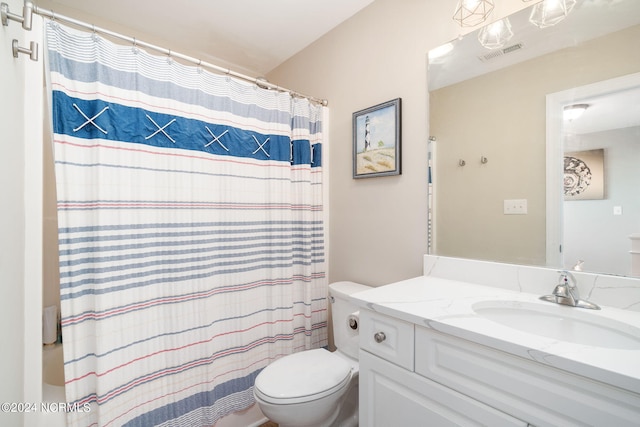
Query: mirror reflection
{"points": [[501, 142]]}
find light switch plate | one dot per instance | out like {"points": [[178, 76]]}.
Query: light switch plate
{"points": [[515, 207]]}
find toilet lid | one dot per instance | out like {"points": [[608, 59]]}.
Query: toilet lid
{"points": [[308, 375]]}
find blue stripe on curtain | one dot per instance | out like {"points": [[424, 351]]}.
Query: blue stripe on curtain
{"points": [[169, 412], [191, 234], [122, 123]]}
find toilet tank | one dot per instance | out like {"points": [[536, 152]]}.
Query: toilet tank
{"points": [[346, 339]]}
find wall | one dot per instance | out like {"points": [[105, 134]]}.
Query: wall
{"points": [[378, 226], [20, 222], [11, 221], [50, 265], [512, 136], [591, 232]]}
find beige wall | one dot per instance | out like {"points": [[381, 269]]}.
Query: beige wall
{"points": [[502, 116], [378, 226]]}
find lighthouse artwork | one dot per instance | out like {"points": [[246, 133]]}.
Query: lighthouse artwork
{"points": [[376, 140], [367, 134]]}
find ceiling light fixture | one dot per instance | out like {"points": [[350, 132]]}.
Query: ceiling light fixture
{"points": [[549, 12], [470, 13], [572, 112], [496, 34]]}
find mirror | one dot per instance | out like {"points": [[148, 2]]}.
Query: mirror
{"points": [[499, 113]]}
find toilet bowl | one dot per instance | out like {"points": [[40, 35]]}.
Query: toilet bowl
{"points": [[317, 388]]}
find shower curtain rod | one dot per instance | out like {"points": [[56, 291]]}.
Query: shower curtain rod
{"points": [[258, 81]]}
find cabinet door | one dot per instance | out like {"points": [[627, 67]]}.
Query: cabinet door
{"points": [[392, 396], [541, 394]]}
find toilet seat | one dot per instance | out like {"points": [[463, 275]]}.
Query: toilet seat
{"points": [[302, 377]]}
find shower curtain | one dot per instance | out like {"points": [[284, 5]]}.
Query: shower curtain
{"points": [[190, 232]]}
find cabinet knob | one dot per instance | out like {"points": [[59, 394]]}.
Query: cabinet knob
{"points": [[379, 337]]}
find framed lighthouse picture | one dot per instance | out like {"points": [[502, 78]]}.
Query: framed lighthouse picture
{"points": [[376, 140]]}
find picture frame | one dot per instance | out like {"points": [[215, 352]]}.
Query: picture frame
{"points": [[377, 140], [584, 175]]}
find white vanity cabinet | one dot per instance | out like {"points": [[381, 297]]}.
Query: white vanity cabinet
{"points": [[392, 394], [411, 375]]}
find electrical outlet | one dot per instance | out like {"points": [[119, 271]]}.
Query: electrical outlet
{"points": [[515, 207]]}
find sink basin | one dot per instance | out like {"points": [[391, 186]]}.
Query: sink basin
{"points": [[561, 323]]}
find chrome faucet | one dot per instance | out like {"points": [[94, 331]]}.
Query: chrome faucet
{"points": [[566, 293]]}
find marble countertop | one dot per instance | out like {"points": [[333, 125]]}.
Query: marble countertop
{"points": [[448, 306]]}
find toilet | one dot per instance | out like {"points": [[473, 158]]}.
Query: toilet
{"points": [[317, 388]]}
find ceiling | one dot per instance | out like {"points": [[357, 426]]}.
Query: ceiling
{"points": [[588, 20], [605, 113], [248, 36]]}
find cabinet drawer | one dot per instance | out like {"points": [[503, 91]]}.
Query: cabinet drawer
{"points": [[540, 394], [388, 338]]}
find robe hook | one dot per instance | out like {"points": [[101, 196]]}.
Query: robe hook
{"points": [[32, 51]]}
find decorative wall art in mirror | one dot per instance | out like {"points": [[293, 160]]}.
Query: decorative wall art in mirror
{"points": [[584, 175], [596, 231], [507, 104], [377, 140]]}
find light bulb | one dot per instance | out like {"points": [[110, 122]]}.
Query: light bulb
{"points": [[550, 12], [495, 35]]}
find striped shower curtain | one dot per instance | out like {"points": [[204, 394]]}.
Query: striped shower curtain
{"points": [[190, 233]]}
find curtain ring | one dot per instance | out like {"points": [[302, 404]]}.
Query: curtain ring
{"points": [[54, 23]]}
